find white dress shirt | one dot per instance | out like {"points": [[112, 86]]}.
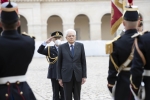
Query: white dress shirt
{"points": [[70, 45]]}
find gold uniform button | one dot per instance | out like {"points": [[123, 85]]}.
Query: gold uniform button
{"points": [[21, 92], [6, 95]]}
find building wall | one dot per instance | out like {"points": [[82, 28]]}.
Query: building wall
{"points": [[37, 14], [93, 28]]}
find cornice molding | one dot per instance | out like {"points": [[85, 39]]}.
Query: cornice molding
{"points": [[68, 0], [55, 0]]}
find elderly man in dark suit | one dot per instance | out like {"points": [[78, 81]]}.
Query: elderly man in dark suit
{"points": [[71, 66]]}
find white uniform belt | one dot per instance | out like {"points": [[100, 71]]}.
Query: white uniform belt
{"points": [[146, 73], [126, 69], [13, 79]]}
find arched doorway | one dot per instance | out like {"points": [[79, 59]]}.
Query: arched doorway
{"points": [[54, 24], [24, 24], [82, 27], [105, 27]]}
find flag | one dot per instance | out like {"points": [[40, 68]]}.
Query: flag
{"points": [[2, 1], [116, 14]]}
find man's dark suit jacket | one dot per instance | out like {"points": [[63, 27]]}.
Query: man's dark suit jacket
{"points": [[67, 64]]}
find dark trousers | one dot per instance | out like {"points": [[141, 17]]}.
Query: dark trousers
{"points": [[72, 87], [122, 87], [58, 93], [147, 87]]}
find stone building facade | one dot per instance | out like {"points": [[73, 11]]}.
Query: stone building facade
{"points": [[90, 18]]}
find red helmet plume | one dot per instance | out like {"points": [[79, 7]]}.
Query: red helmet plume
{"points": [[130, 1]]}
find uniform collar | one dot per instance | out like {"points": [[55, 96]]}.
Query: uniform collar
{"points": [[9, 32], [131, 31]]}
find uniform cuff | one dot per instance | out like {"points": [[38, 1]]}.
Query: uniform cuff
{"points": [[110, 85], [44, 43]]}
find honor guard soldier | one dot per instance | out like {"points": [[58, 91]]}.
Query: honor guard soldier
{"points": [[51, 53], [140, 70], [16, 52], [121, 55]]}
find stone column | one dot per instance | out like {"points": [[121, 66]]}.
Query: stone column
{"points": [[35, 30], [44, 32], [95, 31], [30, 29], [36, 23]]}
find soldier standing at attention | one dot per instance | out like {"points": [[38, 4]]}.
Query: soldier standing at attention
{"points": [[16, 52], [51, 52], [140, 70], [121, 57]]}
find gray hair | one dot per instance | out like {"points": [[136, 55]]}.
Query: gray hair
{"points": [[70, 30]]}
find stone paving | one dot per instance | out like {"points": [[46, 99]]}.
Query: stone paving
{"points": [[95, 87]]}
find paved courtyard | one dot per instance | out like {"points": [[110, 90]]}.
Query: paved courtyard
{"points": [[95, 87]]}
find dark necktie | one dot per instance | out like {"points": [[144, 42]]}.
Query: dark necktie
{"points": [[72, 50]]}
